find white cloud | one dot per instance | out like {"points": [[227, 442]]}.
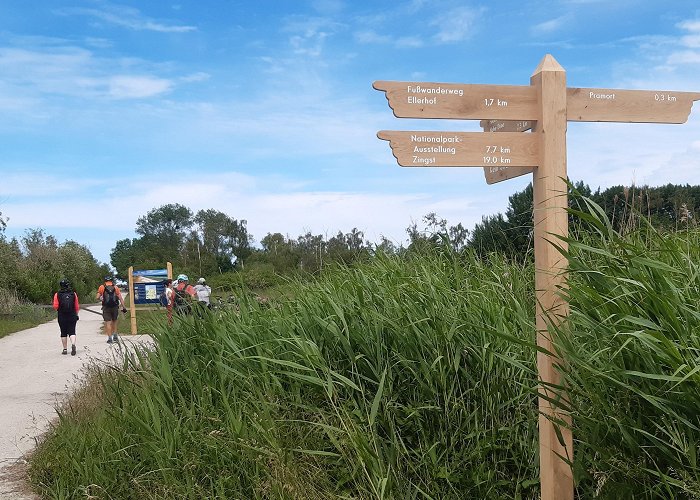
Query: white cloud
{"points": [[26, 182], [409, 42], [328, 6], [126, 17], [137, 87], [309, 34], [551, 26], [45, 72], [368, 36], [195, 77], [455, 25], [683, 57], [690, 25]]}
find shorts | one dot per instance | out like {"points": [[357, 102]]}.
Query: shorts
{"points": [[67, 324], [110, 313]]}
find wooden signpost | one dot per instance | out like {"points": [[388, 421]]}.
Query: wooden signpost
{"points": [[505, 150]]}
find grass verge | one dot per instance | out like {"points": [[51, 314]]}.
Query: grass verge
{"points": [[16, 315]]}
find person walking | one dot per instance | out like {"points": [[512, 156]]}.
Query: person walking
{"points": [[111, 298], [170, 299], [203, 292], [66, 304], [184, 295]]}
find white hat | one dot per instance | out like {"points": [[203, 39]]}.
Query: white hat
{"points": [[201, 280]]}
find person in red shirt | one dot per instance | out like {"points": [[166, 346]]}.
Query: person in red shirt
{"points": [[65, 302], [111, 298], [185, 295]]}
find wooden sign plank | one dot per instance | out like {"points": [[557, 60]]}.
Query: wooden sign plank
{"points": [[507, 125], [460, 101], [462, 149], [628, 106], [499, 174]]}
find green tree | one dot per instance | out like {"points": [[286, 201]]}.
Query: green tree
{"points": [[278, 251], [348, 247], [436, 233], [163, 232], [219, 239]]}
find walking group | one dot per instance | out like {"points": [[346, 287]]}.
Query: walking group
{"points": [[181, 297], [67, 305], [178, 296]]}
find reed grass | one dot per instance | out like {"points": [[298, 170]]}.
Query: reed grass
{"points": [[633, 359], [385, 381], [405, 378]]}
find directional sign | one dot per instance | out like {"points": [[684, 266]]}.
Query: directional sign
{"points": [[631, 106], [462, 149], [506, 152], [507, 125], [460, 101], [498, 174]]}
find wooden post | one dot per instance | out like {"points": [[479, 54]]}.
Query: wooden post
{"points": [[550, 219], [169, 268], [132, 301]]}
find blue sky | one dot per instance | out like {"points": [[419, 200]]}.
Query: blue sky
{"points": [[265, 110]]}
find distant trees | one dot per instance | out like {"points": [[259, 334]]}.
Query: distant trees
{"points": [[32, 266], [309, 252], [210, 241], [669, 207], [203, 243]]}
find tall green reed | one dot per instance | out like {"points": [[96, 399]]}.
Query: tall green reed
{"points": [[633, 366], [384, 381]]}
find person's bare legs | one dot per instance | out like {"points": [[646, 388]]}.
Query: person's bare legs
{"points": [[114, 330], [108, 330]]}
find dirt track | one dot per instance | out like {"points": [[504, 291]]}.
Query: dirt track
{"points": [[34, 377]]}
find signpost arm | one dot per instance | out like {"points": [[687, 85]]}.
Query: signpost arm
{"points": [[550, 220]]}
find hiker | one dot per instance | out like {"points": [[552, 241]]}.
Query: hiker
{"points": [[168, 299], [111, 298], [203, 292], [184, 295], [65, 302]]}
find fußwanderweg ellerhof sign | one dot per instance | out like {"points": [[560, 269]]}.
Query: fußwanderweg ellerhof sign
{"points": [[525, 132]]}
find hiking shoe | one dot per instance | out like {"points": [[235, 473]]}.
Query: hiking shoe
{"points": [[72, 350], [109, 339], [116, 339], [65, 351]]}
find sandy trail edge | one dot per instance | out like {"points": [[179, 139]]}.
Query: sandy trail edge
{"points": [[34, 378]]}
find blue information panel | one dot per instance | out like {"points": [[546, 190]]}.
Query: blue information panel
{"points": [[148, 285]]}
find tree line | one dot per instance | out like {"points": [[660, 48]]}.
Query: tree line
{"points": [[32, 266], [211, 243]]}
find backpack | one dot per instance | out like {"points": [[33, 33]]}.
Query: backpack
{"points": [[182, 301], [109, 297], [181, 296], [163, 298], [66, 302]]}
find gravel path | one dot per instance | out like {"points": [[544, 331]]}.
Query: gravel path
{"points": [[34, 378]]}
